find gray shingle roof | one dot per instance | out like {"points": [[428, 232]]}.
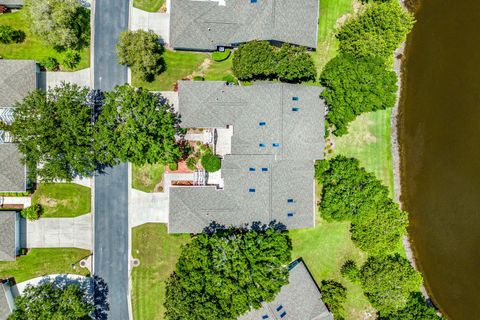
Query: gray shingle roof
{"points": [[204, 25], [283, 180], [7, 235], [17, 79], [12, 171], [12, 3], [298, 300]]}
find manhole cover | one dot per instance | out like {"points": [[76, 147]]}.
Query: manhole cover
{"points": [[83, 264], [136, 262]]}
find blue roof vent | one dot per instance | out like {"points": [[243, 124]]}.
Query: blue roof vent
{"points": [[264, 169], [276, 144], [251, 190], [280, 307], [283, 314], [262, 123], [251, 169], [290, 214], [261, 145], [295, 98], [290, 201], [295, 109], [253, 1], [265, 316]]}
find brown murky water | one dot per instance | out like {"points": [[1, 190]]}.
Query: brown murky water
{"points": [[440, 145]]}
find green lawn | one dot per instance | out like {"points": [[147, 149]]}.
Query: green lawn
{"points": [[218, 70], [179, 65], [158, 253], [63, 199], [32, 48], [147, 177], [148, 5], [40, 262]]}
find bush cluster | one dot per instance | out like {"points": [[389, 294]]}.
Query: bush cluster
{"points": [[32, 213], [220, 56], [351, 193], [10, 35], [71, 59], [334, 294], [49, 63], [211, 162], [258, 60]]}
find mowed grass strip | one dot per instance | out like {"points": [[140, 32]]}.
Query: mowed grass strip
{"points": [[41, 262], [158, 253], [32, 48], [65, 200], [147, 177], [148, 5]]}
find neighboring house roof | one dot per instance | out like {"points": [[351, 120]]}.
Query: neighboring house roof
{"points": [[7, 235], [204, 25], [299, 299], [278, 132], [6, 300], [11, 3], [12, 171], [17, 79]]}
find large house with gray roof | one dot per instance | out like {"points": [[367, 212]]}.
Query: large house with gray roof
{"points": [[300, 299], [210, 24], [268, 172], [9, 235], [17, 79]]}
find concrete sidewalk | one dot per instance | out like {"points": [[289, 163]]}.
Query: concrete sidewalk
{"points": [[148, 207], [59, 232], [52, 79]]}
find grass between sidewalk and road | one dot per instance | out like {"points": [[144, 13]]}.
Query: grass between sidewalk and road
{"points": [[40, 262], [158, 253], [65, 200], [32, 48], [148, 5], [147, 177]]}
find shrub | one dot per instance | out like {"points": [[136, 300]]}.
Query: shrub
{"points": [[71, 59], [32, 213], [254, 60], [376, 31], [221, 56], [416, 308], [211, 162], [355, 86], [230, 79], [173, 166], [192, 163], [50, 63], [334, 294], [141, 51], [294, 64], [198, 78], [10, 35], [350, 271], [388, 281]]}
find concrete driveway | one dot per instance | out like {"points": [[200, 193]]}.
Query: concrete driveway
{"points": [[52, 79], [60, 233], [156, 21], [148, 207]]}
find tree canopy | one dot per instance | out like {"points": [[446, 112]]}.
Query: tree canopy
{"points": [[138, 126], [47, 301], [354, 86], [350, 193], [54, 130], [416, 308], [61, 24], [377, 31], [258, 60], [334, 294], [141, 51], [224, 274], [388, 281]]}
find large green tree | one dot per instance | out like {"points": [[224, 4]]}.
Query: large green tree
{"points": [[48, 301], [417, 308], [377, 31], [141, 51], [254, 60], [61, 24], [388, 281], [334, 294], [54, 132], [295, 64], [138, 126], [225, 274], [354, 86]]}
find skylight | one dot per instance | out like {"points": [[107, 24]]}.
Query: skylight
{"points": [[295, 98], [262, 123], [251, 169], [295, 109], [276, 144], [290, 214], [265, 169], [261, 145], [251, 190]]}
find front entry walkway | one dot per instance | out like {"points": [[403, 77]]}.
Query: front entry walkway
{"points": [[60, 233]]}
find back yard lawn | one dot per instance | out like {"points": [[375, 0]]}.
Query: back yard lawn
{"points": [[146, 178], [158, 252], [63, 199], [40, 262], [32, 47], [148, 5]]}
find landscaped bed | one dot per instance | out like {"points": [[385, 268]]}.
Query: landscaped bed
{"points": [[147, 178], [148, 5], [32, 48], [63, 199], [158, 252], [40, 262]]}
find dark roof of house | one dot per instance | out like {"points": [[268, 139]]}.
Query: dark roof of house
{"points": [[299, 299], [12, 170], [17, 79], [269, 174], [204, 25], [11, 3], [7, 235]]}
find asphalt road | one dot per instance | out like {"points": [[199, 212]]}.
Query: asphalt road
{"points": [[111, 187]]}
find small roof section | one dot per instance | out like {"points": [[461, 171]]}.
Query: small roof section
{"points": [[12, 170], [205, 25], [17, 79], [299, 299], [7, 235]]}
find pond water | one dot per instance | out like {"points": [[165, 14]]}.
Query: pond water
{"points": [[439, 131]]}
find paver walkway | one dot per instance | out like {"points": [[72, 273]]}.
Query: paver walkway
{"points": [[60, 232]]}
